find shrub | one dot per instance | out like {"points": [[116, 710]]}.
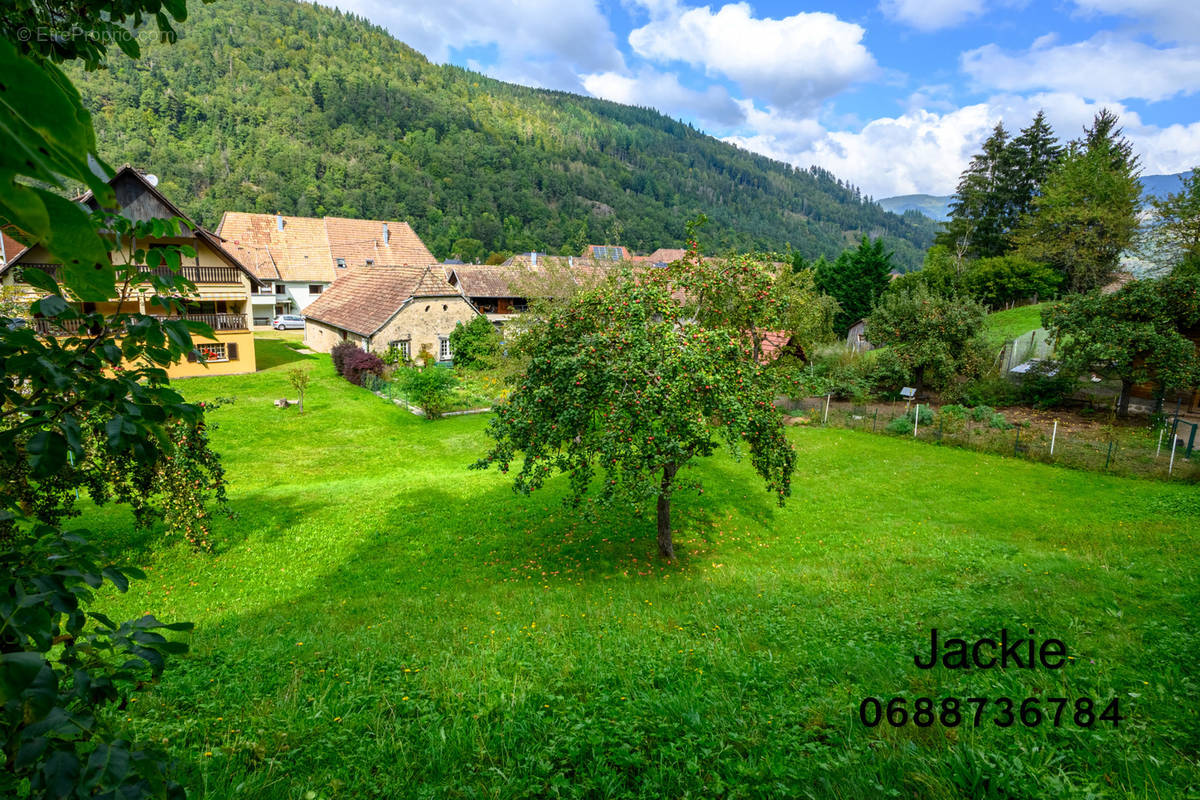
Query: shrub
{"points": [[954, 411], [988, 391], [980, 413], [476, 344], [430, 389], [905, 424], [886, 374], [357, 365], [392, 356], [1046, 385], [339, 353], [997, 420]]}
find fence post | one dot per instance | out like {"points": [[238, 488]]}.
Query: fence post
{"points": [[939, 429], [916, 419], [875, 422], [1053, 437], [1171, 466], [1017, 443], [826, 420], [1158, 450], [1108, 457]]}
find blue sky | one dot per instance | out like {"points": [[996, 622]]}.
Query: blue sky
{"points": [[893, 95]]}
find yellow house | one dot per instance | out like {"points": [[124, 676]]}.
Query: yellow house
{"points": [[223, 285]]}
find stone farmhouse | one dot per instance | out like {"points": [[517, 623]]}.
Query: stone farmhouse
{"points": [[409, 308]]}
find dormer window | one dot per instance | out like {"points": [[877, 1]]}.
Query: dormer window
{"points": [[341, 262], [370, 262]]}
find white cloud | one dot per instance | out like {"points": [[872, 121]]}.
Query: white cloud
{"points": [[921, 151], [1107, 67], [793, 63], [1169, 20], [540, 42], [664, 92], [931, 15]]}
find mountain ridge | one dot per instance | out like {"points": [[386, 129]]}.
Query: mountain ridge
{"points": [[937, 207]]}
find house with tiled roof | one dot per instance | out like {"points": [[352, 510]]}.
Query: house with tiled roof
{"points": [[502, 291], [661, 257], [409, 308], [606, 252], [298, 258], [223, 285]]}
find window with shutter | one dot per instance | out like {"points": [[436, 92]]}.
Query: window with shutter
{"points": [[232, 350]]}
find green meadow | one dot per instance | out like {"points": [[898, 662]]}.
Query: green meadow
{"points": [[1004, 326], [380, 621]]}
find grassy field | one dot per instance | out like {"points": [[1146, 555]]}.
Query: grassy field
{"points": [[381, 622], [1006, 325]]}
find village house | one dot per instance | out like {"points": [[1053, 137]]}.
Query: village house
{"points": [[409, 308], [298, 258], [223, 284]]}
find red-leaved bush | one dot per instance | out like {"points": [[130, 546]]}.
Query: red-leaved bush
{"points": [[359, 364]]}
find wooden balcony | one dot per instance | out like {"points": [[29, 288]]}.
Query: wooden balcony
{"points": [[197, 275], [218, 322]]}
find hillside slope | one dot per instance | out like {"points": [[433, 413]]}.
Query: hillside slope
{"points": [[276, 106]]}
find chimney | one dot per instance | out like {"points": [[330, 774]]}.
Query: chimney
{"points": [[279, 222], [533, 258], [385, 233]]}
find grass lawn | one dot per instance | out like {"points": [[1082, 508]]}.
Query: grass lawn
{"points": [[382, 622], [1006, 325]]}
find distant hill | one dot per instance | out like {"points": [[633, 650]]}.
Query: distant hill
{"points": [[1162, 185], [279, 106], [937, 207]]}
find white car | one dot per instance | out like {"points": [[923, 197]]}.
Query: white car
{"points": [[288, 322]]}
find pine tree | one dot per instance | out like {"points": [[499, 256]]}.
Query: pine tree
{"points": [[1036, 151], [983, 212]]}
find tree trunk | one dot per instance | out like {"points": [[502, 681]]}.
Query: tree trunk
{"points": [[919, 378], [1123, 403], [666, 547]]}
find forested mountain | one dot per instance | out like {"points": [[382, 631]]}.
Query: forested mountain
{"points": [[277, 106]]}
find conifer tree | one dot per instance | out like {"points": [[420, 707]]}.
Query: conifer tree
{"points": [[855, 279], [1036, 152], [1087, 213]]}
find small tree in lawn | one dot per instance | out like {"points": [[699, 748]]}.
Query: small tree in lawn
{"points": [[934, 337], [1136, 333], [620, 394], [299, 380]]}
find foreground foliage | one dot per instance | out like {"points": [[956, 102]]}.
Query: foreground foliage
{"points": [[91, 408]]}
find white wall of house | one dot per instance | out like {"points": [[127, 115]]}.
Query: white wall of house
{"points": [[285, 297]]}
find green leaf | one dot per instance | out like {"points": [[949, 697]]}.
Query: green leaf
{"points": [[47, 452], [40, 279], [49, 306], [17, 673]]}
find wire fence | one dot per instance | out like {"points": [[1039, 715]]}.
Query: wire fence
{"points": [[1165, 452]]}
